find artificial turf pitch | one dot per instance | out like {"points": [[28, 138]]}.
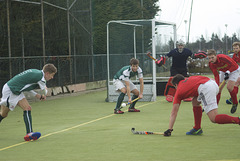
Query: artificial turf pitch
{"points": [[84, 128]]}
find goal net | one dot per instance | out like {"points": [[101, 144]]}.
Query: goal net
{"points": [[128, 39]]}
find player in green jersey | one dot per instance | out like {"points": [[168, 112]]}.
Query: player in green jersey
{"points": [[12, 94], [124, 84]]}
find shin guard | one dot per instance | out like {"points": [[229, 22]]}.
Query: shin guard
{"points": [[234, 96], [197, 111], [120, 99], [226, 119], [133, 104], [1, 118], [27, 117]]}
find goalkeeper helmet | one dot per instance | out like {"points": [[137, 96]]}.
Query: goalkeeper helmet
{"points": [[180, 42]]}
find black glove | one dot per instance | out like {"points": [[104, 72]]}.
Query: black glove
{"points": [[226, 75], [168, 132]]}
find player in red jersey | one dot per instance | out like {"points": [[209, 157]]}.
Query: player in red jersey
{"points": [[204, 91], [236, 49], [224, 67], [236, 58]]}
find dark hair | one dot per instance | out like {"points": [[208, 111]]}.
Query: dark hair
{"points": [[177, 78], [134, 61]]}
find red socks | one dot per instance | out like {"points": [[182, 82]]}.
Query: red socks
{"points": [[226, 119], [218, 97], [234, 95], [197, 111]]}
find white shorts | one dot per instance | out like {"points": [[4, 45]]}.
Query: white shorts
{"points": [[233, 76], [119, 84], [9, 99], [207, 95]]}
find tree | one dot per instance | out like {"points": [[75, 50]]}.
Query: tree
{"points": [[105, 11]]}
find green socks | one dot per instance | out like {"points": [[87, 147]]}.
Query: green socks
{"points": [[133, 104], [119, 101], [1, 118], [27, 117]]}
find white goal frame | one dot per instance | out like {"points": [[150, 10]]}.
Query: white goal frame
{"points": [[150, 88]]}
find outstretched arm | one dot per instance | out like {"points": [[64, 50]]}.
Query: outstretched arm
{"points": [[173, 115]]}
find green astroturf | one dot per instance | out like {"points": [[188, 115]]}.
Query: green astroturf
{"points": [[84, 128]]}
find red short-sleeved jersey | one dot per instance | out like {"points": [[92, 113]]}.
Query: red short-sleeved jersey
{"points": [[223, 64], [236, 57], [189, 88]]}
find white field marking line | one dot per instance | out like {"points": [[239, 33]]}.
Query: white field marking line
{"points": [[70, 128]]}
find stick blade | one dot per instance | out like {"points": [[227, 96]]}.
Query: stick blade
{"points": [[145, 132], [138, 132]]}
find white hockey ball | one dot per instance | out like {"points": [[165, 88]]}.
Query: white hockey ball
{"points": [[124, 105]]}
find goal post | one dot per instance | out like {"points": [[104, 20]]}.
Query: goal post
{"points": [[134, 38]]}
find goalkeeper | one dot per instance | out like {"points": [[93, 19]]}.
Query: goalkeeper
{"points": [[179, 65], [12, 94]]}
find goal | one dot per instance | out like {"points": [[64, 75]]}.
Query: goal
{"points": [[128, 39]]}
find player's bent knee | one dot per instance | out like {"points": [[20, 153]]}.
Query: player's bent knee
{"points": [[212, 120], [4, 115], [135, 92], [29, 108]]}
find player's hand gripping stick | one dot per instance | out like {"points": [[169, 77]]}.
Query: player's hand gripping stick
{"points": [[124, 104]]}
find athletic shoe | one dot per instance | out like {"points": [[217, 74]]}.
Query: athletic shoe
{"points": [[229, 101], [118, 111], [133, 110], [169, 98], [32, 136], [234, 108], [188, 99], [195, 132]]}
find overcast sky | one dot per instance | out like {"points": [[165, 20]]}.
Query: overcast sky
{"points": [[208, 16]]}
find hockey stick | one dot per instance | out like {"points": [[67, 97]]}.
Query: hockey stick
{"points": [[130, 102], [150, 56], [223, 82], [145, 132]]}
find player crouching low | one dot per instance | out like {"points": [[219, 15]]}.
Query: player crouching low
{"points": [[204, 91], [123, 84]]}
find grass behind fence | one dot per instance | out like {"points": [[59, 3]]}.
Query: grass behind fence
{"points": [[84, 128]]}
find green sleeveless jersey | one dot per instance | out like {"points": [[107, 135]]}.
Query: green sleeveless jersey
{"points": [[27, 81], [126, 73]]}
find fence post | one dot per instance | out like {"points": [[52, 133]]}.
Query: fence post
{"points": [[43, 33], [9, 41], [69, 43]]}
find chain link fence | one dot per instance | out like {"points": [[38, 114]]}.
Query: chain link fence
{"points": [[36, 32], [72, 35]]}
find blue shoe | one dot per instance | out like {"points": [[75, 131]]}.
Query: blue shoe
{"points": [[229, 101], [195, 132], [32, 136]]}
